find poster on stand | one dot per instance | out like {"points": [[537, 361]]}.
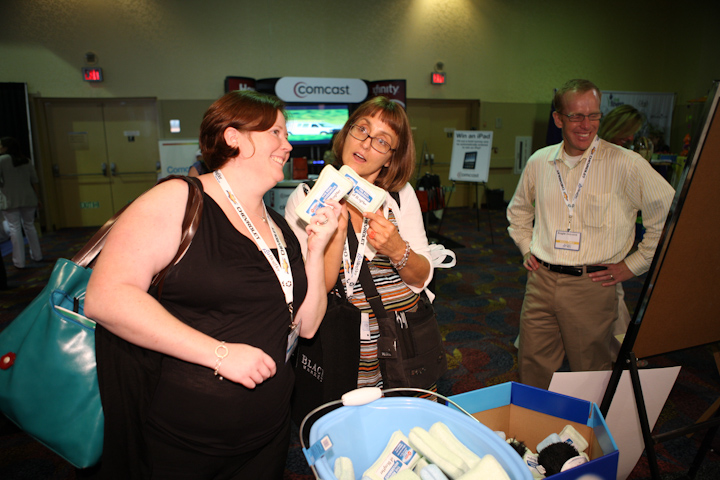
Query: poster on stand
{"points": [[470, 160]]}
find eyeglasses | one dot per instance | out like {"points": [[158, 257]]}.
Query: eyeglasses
{"points": [[378, 144], [579, 117]]}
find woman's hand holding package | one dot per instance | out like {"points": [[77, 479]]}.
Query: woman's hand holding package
{"points": [[320, 231], [323, 226]]}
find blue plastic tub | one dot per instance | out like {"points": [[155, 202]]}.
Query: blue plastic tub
{"points": [[362, 432]]}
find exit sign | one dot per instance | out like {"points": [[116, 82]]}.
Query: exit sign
{"points": [[92, 74], [437, 78]]}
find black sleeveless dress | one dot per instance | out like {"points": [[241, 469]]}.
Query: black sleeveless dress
{"points": [[224, 287]]}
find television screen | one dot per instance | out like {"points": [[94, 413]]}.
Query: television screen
{"points": [[314, 124]]}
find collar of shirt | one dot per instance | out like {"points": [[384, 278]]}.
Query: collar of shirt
{"points": [[560, 157]]}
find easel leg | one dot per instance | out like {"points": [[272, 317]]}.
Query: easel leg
{"points": [[642, 414], [704, 448], [477, 204], [492, 234], [447, 203], [716, 405]]}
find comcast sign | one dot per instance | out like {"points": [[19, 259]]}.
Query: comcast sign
{"points": [[321, 90]]}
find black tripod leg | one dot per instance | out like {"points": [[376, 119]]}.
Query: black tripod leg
{"points": [[704, 448], [644, 423]]}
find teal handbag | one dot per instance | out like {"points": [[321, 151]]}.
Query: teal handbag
{"points": [[48, 375]]}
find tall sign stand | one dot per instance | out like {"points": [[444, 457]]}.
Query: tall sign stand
{"points": [[677, 307]]}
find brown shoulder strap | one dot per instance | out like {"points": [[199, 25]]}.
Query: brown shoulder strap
{"points": [[193, 213]]}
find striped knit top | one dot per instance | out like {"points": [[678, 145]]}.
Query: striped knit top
{"points": [[396, 296]]}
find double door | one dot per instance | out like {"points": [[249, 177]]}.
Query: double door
{"points": [[104, 154]]}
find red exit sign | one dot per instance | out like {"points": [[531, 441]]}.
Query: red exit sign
{"points": [[437, 78], [92, 74]]}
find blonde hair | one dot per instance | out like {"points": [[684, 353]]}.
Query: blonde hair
{"points": [[622, 121]]}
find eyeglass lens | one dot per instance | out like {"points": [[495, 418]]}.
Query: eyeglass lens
{"points": [[579, 117], [359, 133]]}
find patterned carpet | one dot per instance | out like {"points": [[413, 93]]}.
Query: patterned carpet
{"points": [[478, 305]]}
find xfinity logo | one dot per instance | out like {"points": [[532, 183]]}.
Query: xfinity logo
{"points": [[321, 90], [389, 89]]}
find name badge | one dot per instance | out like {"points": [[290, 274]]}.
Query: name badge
{"points": [[567, 240], [292, 340], [364, 326]]}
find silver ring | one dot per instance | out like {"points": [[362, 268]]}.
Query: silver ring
{"points": [[323, 222], [611, 277]]}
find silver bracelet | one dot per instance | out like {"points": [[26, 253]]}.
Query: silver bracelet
{"points": [[221, 351], [403, 261]]}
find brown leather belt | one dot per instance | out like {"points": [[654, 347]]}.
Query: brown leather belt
{"points": [[575, 271]]}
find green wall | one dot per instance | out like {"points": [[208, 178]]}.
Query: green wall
{"points": [[509, 54], [513, 51]]}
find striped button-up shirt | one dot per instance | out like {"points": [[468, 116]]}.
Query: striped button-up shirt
{"points": [[618, 184]]}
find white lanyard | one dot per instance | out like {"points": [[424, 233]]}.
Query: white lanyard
{"points": [[284, 272], [352, 271], [581, 182]]}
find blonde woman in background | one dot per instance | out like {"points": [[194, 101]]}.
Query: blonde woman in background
{"points": [[619, 126]]}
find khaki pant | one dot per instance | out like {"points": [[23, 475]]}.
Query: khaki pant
{"points": [[564, 315]]}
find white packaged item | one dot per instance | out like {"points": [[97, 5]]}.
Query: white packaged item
{"points": [[422, 463], [397, 456], [437, 453], [531, 460], [344, 469], [441, 432], [330, 185], [432, 472], [573, 462], [488, 468], [364, 196], [549, 440], [406, 475], [573, 437]]}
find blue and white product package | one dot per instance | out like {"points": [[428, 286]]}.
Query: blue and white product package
{"points": [[330, 185], [397, 456], [364, 196]]}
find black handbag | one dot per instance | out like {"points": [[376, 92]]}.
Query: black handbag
{"points": [[326, 366], [410, 348]]}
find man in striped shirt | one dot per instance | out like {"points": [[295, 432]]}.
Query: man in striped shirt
{"points": [[573, 218]]}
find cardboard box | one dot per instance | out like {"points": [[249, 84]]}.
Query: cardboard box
{"points": [[530, 414]]}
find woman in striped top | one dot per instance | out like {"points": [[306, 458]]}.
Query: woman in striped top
{"points": [[376, 142]]}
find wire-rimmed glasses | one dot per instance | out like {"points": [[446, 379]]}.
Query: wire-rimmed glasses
{"points": [[359, 132], [579, 117]]}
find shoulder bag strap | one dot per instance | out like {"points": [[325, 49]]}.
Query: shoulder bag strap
{"points": [[193, 212], [366, 281], [388, 343]]}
